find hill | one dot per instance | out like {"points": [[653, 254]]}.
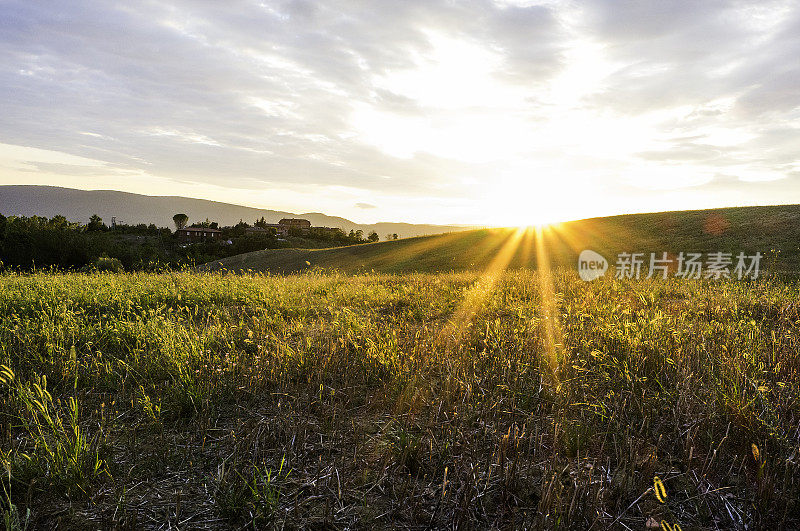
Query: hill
{"points": [[132, 209], [772, 230]]}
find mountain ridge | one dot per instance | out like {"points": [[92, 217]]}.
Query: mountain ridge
{"points": [[131, 208]]}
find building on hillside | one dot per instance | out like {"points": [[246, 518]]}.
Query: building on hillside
{"points": [[295, 223], [198, 233], [269, 228], [302, 225]]}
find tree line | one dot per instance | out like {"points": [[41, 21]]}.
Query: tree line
{"points": [[37, 242]]}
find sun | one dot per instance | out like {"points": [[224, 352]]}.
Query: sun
{"points": [[513, 211], [527, 221], [541, 222], [524, 222]]}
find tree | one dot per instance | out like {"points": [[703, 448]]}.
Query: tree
{"points": [[373, 236], [180, 220], [95, 223], [58, 222], [207, 224]]}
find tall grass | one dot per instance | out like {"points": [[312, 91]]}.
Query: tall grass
{"points": [[184, 399]]}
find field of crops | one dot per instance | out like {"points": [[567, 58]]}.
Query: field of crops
{"points": [[416, 401]]}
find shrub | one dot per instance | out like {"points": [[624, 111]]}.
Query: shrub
{"points": [[106, 264]]}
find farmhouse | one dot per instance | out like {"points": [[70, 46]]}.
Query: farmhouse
{"points": [[295, 223], [269, 228], [280, 229], [198, 233]]}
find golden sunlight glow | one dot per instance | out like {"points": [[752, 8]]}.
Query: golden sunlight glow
{"points": [[452, 335], [551, 327], [455, 330]]}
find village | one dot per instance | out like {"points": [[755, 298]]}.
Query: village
{"points": [[58, 242], [279, 230], [301, 231]]}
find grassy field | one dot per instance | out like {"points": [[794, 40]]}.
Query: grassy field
{"points": [[772, 230], [412, 401]]}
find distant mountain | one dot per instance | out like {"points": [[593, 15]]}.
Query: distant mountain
{"points": [[132, 209]]}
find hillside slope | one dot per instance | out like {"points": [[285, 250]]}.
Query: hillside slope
{"points": [[78, 205], [774, 231]]}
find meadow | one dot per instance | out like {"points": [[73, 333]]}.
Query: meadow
{"points": [[770, 230], [414, 401]]}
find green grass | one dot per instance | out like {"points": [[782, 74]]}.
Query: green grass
{"points": [[201, 400], [773, 231]]}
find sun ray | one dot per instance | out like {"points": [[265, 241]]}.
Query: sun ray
{"points": [[551, 327], [518, 244], [453, 333], [526, 247]]}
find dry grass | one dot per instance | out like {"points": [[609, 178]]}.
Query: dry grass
{"points": [[205, 401]]}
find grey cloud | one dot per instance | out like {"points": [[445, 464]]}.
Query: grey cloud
{"points": [[261, 93], [685, 53], [196, 70]]}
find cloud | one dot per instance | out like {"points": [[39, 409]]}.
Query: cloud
{"points": [[218, 92], [365, 205], [710, 68], [417, 101]]}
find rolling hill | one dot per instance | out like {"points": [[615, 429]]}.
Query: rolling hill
{"points": [[772, 230], [132, 209]]}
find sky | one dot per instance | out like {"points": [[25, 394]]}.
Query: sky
{"points": [[485, 112]]}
